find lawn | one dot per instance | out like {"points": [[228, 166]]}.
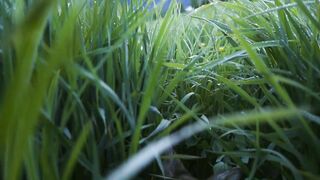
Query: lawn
{"points": [[109, 90]]}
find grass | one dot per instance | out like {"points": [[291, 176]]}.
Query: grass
{"points": [[102, 89]]}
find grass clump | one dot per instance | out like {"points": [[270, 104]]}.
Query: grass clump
{"points": [[101, 89]]}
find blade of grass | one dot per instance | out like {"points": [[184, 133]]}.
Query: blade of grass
{"points": [[76, 151]]}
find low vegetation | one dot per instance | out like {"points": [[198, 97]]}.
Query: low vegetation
{"points": [[109, 90]]}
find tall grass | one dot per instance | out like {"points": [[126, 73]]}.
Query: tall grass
{"points": [[100, 89]]}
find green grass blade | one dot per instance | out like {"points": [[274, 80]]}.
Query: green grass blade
{"points": [[81, 141]]}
